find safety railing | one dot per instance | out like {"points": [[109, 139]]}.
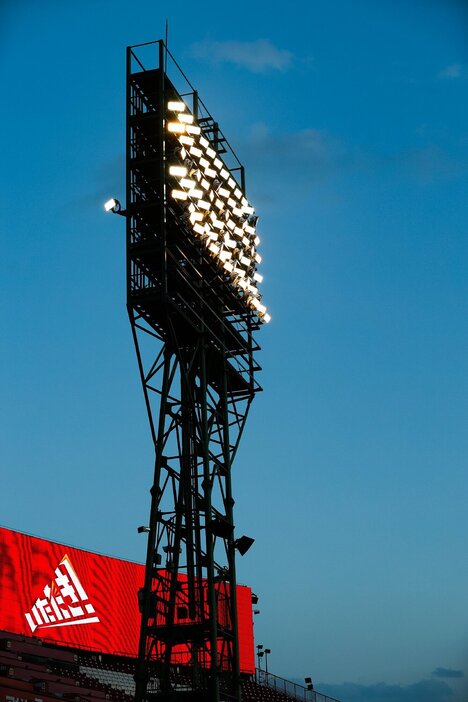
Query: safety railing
{"points": [[292, 689]]}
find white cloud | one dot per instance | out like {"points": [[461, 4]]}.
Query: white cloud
{"points": [[257, 56], [450, 72]]}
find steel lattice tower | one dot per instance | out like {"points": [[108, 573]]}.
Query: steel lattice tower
{"points": [[193, 335]]}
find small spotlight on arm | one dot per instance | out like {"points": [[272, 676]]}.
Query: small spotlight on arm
{"points": [[114, 206]]}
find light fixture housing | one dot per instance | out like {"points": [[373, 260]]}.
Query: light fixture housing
{"points": [[113, 205], [243, 544]]}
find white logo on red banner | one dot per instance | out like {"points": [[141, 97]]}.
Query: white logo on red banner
{"points": [[65, 602]]}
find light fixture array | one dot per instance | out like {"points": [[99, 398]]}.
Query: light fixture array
{"points": [[219, 214]]}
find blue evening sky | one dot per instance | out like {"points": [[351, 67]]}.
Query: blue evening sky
{"points": [[351, 117]]}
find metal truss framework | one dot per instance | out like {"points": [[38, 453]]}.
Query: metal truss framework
{"points": [[195, 351]]}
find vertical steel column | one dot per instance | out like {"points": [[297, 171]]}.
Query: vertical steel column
{"points": [[141, 677], [231, 551], [207, 486]]}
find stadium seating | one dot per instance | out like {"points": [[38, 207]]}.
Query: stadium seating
{"points": [[31, 669]]}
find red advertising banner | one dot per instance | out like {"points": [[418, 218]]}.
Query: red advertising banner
{"points": [[77, 598]]}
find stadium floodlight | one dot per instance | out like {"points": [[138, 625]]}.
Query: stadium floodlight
{"points": [[309, 684], [254, 598], [243, 544], [256, 611], [179, 194], [214, 249], [194, 192], [187, 183], [187, 119], [143, 530], [178, 171], [187, 140], [112, 205], [176, 106], [176, 127], [221, 198], [267, 652]]}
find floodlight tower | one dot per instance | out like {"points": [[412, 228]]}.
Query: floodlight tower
{"points": [[194, 304]]}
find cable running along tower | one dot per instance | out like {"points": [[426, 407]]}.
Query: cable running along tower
{"points": [[194, 305]]}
